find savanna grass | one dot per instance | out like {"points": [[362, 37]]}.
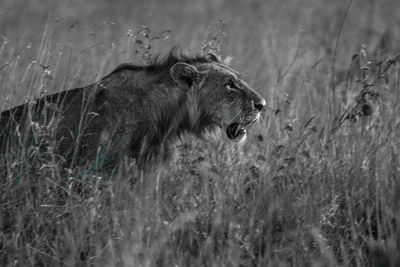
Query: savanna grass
{"points": [[317, 183]]}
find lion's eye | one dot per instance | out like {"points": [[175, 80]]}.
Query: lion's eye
{"points": [[231, 86]]}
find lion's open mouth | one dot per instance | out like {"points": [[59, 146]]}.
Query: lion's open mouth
{"points": [[236, 132]]}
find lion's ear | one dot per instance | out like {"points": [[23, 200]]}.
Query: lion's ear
{"points": [[212, 57], [184, 74]]}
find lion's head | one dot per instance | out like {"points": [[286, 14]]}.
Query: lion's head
{"points": [[221, 91]]}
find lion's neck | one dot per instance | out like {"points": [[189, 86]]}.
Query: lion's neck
{"points": [[174, 114], [179, 115]]}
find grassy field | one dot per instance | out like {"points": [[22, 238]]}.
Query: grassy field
{"points": [[316, 184]]}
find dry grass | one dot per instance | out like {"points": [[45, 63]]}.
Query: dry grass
{"points": [[317, 183]]}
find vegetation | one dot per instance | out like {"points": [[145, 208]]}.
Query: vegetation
{"points": [[316, 184]]}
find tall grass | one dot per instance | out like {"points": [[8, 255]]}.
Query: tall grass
{"points": [[316, 184]]}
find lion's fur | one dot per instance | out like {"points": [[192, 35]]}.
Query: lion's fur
{"points": [[138, 111]]}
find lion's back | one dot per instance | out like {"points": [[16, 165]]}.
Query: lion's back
{"points": [[59, 114]]}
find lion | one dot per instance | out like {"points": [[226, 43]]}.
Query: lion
{"points": [[139, 111]]}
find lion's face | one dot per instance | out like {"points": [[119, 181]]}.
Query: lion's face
{"points": [[233, 104]]}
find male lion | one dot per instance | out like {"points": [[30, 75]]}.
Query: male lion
{"points": [[136, 111]]}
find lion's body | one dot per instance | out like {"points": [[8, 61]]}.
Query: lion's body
{"points": [[136, 111]]}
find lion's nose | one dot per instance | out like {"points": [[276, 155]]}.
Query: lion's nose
{"points": [[260, 104]]}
